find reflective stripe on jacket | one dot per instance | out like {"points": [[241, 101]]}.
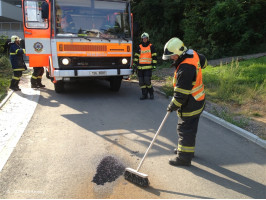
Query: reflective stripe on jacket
{"points": [[189, 94], [16, 57], [198, 89], [147, 62], [145, 55]]}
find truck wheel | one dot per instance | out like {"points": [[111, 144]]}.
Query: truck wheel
{"points": [[59, 86], [115, 83]]}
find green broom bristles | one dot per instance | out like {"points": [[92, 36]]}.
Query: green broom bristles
{"points": [[136, 179]]}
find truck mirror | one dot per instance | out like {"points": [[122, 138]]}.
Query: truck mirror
{"points": [[45, 10]]}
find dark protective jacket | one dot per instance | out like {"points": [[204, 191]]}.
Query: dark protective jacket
{"points": [[144, 47], [184, 84], [16, 57]]}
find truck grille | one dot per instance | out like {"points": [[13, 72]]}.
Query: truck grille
{"points": [[69, 47], [94, 63]]}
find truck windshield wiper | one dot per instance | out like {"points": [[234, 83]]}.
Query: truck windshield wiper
{"points": [[87, 38], [123, 38], [105, 38]]}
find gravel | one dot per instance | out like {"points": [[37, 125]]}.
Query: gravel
{"points": [[108, 170]]}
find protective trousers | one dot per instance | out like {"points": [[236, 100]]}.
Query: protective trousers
{"points": [[15, 80], [187, 131], [145, 83], [36, 77]]}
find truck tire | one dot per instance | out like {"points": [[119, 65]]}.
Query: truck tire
{"points": [[59, 87], [115, 83]]}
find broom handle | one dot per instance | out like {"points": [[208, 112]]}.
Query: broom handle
{"points": [[154, 138]]}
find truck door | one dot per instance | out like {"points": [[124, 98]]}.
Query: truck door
{"points": [[37, 31]]}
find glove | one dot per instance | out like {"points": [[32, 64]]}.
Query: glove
{"points": [[172, 107]]}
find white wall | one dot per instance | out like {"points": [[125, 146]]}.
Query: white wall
{"points": [[10, 11]]}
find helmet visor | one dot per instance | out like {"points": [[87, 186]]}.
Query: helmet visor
{"points": [[167, 54]]}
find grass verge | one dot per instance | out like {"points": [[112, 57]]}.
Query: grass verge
{"points": [[5, 76], [239, 86]]}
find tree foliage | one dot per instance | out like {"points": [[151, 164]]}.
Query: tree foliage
{"points": [[215, 28]]}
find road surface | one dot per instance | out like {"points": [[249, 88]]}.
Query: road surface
{"points": [[70, 134]]}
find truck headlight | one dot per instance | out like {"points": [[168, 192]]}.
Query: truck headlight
{"points": [[124, 61], [65, 61]]}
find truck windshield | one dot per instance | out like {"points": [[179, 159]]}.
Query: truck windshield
{"points": [[92, 19]]}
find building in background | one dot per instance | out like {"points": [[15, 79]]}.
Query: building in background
{"points": [[11, 18]]}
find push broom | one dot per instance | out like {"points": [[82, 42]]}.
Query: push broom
{"points": [[135, 176]]}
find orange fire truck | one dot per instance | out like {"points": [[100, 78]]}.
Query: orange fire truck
{"points": [[79, 39]]}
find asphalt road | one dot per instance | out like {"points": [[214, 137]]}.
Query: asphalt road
{"points": [[61, 149]]}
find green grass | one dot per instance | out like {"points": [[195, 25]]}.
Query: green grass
{"points": [[237, 82], [5, 76], [168, 87], [239, 85], [231, 118]]}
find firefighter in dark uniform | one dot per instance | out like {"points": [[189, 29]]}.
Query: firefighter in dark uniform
{"points": [[17, 62], [67, 24], [144, 62], [188, 99], [36, 78]]}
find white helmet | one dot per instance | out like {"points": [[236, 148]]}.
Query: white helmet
{"points": [[145, 35], [15, 38], [173, 47]]}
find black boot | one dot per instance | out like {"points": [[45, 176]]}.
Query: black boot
{"points": [[192, 154], [16, 85], [151, 92], [13, 85], [144, 94], [179, 162], [39, 83], [34, 83]]}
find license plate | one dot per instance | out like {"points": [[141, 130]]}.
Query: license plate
{"points": [[100, 73]]}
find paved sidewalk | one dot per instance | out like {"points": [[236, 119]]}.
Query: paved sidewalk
{"points": [[16, 111]]}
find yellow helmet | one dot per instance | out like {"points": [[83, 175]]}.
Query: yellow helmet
{"points": [[173, 47], [145, 35], [15, 38]]}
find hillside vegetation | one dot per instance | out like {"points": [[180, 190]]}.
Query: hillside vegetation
{"points": [[216, 28]]}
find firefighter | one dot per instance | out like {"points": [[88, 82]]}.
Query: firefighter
{"points": [[36, 78], [188, 99], [67, 24], [17, 62], [144, 62]]}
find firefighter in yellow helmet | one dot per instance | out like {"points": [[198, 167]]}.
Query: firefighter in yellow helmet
{"points": [[145, 61], [17, 62], [188, 99]]}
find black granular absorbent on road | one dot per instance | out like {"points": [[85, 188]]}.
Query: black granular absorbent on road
{"points": [[108, 170]]}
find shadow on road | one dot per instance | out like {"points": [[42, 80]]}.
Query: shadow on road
{"points": [[229, 179]]}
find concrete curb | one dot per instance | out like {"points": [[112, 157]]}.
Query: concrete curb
{"points": [[246, 134], [9, 93]]}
